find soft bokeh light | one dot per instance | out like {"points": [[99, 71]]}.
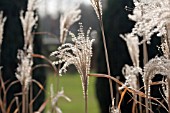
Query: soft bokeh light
{"points": [[54, 7]]}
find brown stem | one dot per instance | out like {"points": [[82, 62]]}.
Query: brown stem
{"points": [[140, 99], [169, 95], [23, 99], [145, 53], [26, 101], [86, 102], [58, 78], [133, 91], [107, 58], [146, 98], [31, 97]]}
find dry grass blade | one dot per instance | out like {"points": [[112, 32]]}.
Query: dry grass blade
{"points": [[40, 65], [11, 84], [10, 105], [46, 59], [121, 99], [18, 105], [39, 84], [2, 85], [42, 107], [133, 91], [2, 101], [137, 102], [2, 108]]}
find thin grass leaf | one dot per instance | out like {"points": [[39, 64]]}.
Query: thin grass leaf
{"points": [[121, 99], [46, 59], [10, 105], [42, 107]]}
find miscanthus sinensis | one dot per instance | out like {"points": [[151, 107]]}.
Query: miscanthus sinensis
{"points": [[150, 17], [68, 18], [78, 53], [132, 43], [165, 89], [157, 65], [24, 68], [28, 21], [131, 72], [97, 7], [2, 22]]}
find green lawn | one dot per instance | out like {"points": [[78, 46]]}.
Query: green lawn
{"points": [[73, 89]]}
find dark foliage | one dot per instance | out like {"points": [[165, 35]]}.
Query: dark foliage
{"points": [[12, 41]]}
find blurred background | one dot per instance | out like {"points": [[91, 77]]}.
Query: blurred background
{"points": [[115, 22], [49, 21]]}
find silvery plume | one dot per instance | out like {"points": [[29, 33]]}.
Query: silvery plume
{"points": [[55, 98], [157, 65], [78, 53], [165, 48], [130, 73], [97, 7], [2, 22], [68, 18], [165, 89], [132, 42], [24, 68], [151, 17], [28, 21]]}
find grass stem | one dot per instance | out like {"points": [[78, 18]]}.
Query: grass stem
{"points": [[107, 58]]}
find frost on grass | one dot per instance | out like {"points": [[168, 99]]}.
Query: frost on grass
{"points": [[67, 19], [150, 17], [2, 22], [24, 68], [78, 53]]}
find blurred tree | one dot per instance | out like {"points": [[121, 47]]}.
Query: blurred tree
{"points": [[116, 22], [12, 41]]}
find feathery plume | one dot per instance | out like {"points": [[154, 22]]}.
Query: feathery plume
{"points": [[97, 5], [165, 89], [67, 19], [157, 65], [132, 42], [131, 73], [2, 22], [151, 17], [24, 68], [78, 54], [28, 21], [165, 49]]}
